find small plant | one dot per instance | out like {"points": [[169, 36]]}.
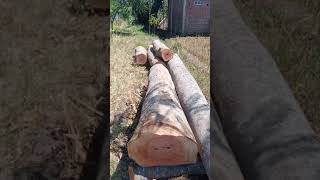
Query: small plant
{"points": [[154, 22]]}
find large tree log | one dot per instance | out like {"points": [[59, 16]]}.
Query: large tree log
{"points": [[265, 126], [162, 50], [152, 58], [163, 135], [194, 105], [164, 172], [140, 55]]}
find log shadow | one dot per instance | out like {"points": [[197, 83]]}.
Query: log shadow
{"points": [[121, 171], [99, 139]]}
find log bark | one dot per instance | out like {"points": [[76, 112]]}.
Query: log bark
{"points": [[152, 58], [163, 135], [195, 106], [162, 50], [140, 55], [164, 172], [263, 122]]}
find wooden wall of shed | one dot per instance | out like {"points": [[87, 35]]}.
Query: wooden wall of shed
{"points": [[176, 17], [197, 17]]}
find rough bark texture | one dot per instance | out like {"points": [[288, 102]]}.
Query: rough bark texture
{"points": [[163, 135], [162, 50], [140, 55], [152, 58], [163, 172], [224, 164], [262, 121], [195, 107]]}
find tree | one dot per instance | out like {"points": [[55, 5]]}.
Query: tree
{"points": [[120, 9]]}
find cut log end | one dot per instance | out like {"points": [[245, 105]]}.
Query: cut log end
{"points": [[140, 56], [162, 50], [164, 146], [140, 59], [166, 54]]}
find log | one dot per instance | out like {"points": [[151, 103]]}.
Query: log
{"points": [[195, 106], [162, 50], [263, 122], [137, 172], [140, 55], [163, 135], [152, 58]]}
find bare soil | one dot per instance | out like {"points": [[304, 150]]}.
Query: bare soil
{"points": [[52, 78]]}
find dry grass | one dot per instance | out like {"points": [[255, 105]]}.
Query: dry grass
{"points": [[127, 82], [290, 30], [195, 53]]}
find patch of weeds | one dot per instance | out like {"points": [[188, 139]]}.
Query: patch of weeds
{"points": [[176, 47]]}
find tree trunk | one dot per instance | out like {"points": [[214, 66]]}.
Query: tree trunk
{"points": [[162, 50], [265, 126], [140, 56], [194, 105], [163, 135], [164, 172], [152, 58]]}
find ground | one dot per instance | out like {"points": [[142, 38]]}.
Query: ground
{"points": [[290, 30], [128, 83], [52, 75]]}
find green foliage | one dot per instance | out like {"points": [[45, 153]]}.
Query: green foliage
{"points": [[123, 28], [121, 9], [141, 9], [154, 21]]}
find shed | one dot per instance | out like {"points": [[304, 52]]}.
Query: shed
{"points": [[189, 16]]}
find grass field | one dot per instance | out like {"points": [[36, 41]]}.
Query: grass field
{"points": [[290, 30], [129, 81]]}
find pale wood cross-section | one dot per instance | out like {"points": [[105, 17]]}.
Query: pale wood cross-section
{"points": [[140, 55], [162, 50]]}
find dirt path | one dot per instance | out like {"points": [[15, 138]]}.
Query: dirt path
{"points": [[52, 75]]}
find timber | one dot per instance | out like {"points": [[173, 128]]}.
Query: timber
{"points": [[195, 106], [162, 50], [163, 136], [137, 172], [263, 122], [152, 58], [140, 55]]}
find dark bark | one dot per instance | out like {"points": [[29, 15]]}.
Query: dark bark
{"points": [[195, 107]]}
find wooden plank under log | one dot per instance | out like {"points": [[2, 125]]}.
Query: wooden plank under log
{"points": [[163, 136], [195, 106], [162, 50], [137, 172]]}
